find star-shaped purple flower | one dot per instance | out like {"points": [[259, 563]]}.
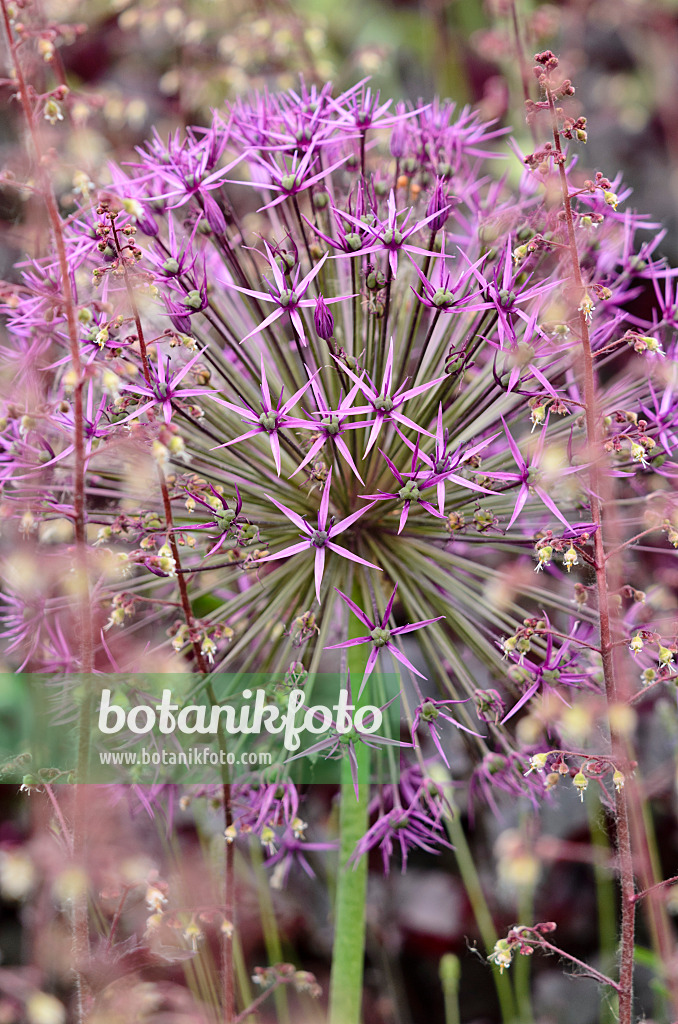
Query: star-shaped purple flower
{"points": [[559, 667], [294, 177], [330, 426], [380, 635], [321, 539], [428, 712], [270, 420], [387, 407], [390, 236], [226, 519], [526, 477], [163, 389], [506, 294], [410, 490], [288, 299], [442, 462], [341, 743]]}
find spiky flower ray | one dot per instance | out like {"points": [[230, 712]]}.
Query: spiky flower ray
{"points": [[480, 332]]}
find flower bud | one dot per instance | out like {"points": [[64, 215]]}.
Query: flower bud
{"points": [[587, 308], [324, 321], [439, 205], [489, 705], [166, 560], [214, 216], [648, 676], [537, 415]]}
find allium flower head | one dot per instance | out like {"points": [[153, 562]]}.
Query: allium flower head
{"points": [[366, 397]]}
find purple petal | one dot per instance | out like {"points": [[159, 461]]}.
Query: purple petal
{"points": [[350, 520], [518, 507], [543, 381], [523, 700], [294, 517], [389, 608], [399, 630], [358, 612], [349, 643], [349, 554], [319, 569], [274, 441], [374, 433], [371, 662], [304, 283], [434, 511], [242, 437], [325, 502], [341, 445], [403, 660], [264, 323], [550, 504], [420, 388], [294, 549], [388, 369], [515, 451], [315, 448], [266, 394]]}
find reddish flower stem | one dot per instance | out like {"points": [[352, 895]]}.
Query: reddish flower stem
{"points": [[228, 964], [116, 917], [47, 192], [631, 540], [566, 636], [599, 492], [256, 1003], [628, 803], [58, 814], [80, 919], [655, 887], [591, 972]]}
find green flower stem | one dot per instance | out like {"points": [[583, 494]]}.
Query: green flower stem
{"points": [[450, 972], [242, 975], [481, 911], [522, 964], [346, 979]]}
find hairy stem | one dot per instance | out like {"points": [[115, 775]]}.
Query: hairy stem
{"points": [[80, 919], [228, 968], [600, 493]]}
